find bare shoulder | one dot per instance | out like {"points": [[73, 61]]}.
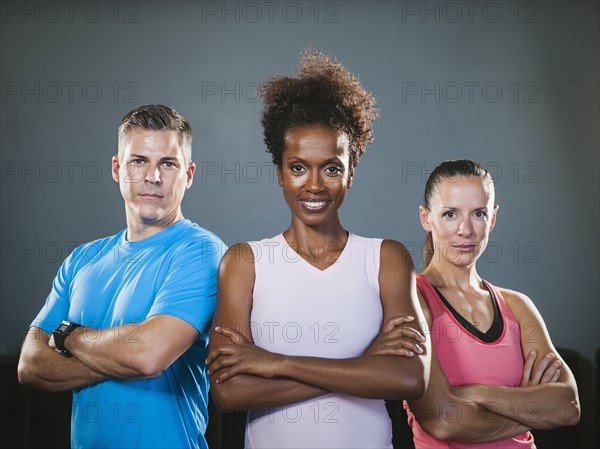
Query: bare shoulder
{"points": [[520, 304], [235, 290], [394, 255], [237, 261], [236, 278]]}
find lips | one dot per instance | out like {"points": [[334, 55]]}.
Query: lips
{"points": [[151, 195], [465, 247], [314, 205]]}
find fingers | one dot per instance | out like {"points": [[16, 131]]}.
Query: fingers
{"points": [[393, 350], [396, 346], [390, 324], [219, 363], [551, 372], [542, 367], [235, 336], [547, 370], [218, 352], [411, 333], [225, 374], [527, 368]]}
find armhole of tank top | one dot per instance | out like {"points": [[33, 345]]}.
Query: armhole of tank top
{"points": [[428, 292], [505, 310], [374, 262], [254, 245]]}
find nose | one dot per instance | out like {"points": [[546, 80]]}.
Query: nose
{"points": [[153, 174], [314, 183], [465, 228]]}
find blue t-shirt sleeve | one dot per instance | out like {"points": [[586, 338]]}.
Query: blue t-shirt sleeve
{"points": [[57, 303], [189, 291]]}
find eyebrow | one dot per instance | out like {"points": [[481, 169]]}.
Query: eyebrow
{"points": [[336, 160], [454, 207], [140, 156]]}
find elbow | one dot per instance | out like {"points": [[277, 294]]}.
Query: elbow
{"points": [[223, 399], [24, 373], [568, 415], [28, 377], [407, 388], [412, 386], [440, 429], [573, 414], [148, 365], [416, 389], [148, 368]]}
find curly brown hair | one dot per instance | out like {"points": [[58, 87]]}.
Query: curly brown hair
{"points": [[324, 92]]}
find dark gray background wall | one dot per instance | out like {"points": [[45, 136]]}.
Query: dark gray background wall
{"points": [[513, 85]]}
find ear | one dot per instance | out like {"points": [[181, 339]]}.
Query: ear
{"points": [[493, 221], [279, 176], [115, 167], [424, 216], [190, 175]]}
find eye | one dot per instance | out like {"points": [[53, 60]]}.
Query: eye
{"points": [[450, 214], [296, 168], [169, 164], [137, 161], [480, 214], [333, 170]]}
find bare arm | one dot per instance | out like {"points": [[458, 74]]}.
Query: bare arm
{"points": [[370, 376], [243, 392], [447, 416], [539, 406], [133, 351], [42, 367]]}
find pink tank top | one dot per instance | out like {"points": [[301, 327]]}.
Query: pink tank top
{"points": [[300, 310], [466, 359]]}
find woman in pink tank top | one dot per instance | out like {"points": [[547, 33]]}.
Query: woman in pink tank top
{"points": [[495, 373], [316, 326]]}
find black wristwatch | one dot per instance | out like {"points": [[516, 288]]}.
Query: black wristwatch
{"points": [[62, 332]]}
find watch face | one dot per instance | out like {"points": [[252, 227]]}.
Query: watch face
{"points": [[63, 327]]}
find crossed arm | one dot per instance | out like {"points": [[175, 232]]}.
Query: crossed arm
{"points": [[546, 396], [244, 376], [128, 352], [536, 405]]}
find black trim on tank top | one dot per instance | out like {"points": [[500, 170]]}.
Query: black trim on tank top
{"points": [[495, 330]]}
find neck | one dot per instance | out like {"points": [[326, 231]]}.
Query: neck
{"points": [[139, 229], [445, 275], [316, 239]]}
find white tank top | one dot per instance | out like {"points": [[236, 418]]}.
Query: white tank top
{"points": [[335, 313]]}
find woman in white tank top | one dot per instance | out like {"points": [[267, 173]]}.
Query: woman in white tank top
{"points": [[316, 326]]}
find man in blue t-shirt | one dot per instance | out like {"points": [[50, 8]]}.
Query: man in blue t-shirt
{"points": [[127, 321]]}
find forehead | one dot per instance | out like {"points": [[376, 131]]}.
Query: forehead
{"points": [[468, 190], [315, 141], [144, 141]]}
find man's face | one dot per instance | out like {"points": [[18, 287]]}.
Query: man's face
{"points": [[153, 176]]}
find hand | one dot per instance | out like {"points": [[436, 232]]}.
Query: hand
{"points": [[241, 357], [51, 342], [548, 370], [396, 338]]}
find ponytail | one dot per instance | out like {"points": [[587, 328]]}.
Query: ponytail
{"points": [[427, 249]]}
